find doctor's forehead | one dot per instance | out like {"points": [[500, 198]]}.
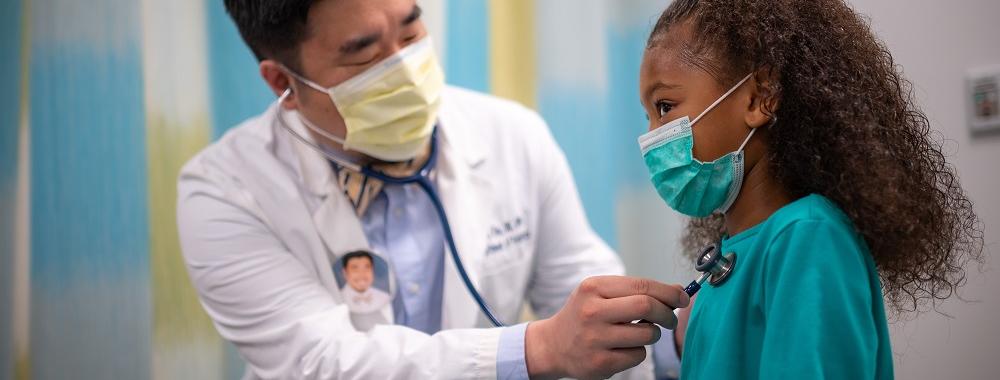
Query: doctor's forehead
{"points": [[334, 23]]}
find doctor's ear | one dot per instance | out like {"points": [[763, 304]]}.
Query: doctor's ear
{"points": [[764, 98], [279, 81]]}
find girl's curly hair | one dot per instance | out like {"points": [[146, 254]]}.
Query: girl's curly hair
{"points": [[848, 128]]}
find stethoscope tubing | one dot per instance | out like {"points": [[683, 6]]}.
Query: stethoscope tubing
{"points": [[422, 179]]}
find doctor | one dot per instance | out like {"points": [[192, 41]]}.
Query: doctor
{"points": [[267, 212]]}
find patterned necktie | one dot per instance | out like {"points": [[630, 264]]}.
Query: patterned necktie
{"points": [[361, 190]]}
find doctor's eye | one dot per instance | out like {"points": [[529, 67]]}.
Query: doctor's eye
{"points": [[364, 62], [663, 108]]}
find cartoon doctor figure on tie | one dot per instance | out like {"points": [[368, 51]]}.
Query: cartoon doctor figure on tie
{"points": [[464, 199]]}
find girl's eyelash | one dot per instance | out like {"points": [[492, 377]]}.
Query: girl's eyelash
{"points": [[660, 105]]}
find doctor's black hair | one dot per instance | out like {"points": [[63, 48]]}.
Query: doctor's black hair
{"points": [[849, 129], [273, 29], [354, 255]]}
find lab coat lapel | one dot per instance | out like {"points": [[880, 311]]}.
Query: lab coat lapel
{"points": [[464, 193], [334, 219], [336, 222], [338, 226]]}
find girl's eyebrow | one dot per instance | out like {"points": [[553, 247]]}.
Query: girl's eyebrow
{"points": [[660, 86]]}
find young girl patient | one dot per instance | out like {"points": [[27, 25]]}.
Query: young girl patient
{"points": [[785, 130]]}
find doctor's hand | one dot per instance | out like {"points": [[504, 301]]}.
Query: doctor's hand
{"points": [[593, 337]]}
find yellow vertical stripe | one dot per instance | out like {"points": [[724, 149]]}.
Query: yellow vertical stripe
{"points": [[512, 50], [175, 72], [22, 232], [513, 72]]}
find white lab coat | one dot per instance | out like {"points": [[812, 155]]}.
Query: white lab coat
{"points": [[262, 219]]}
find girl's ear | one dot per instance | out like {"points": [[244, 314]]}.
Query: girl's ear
{"points": [[764, 98]]}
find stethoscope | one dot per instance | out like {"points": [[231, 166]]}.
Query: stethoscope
{"points": [[714, 267], [422, 179]]}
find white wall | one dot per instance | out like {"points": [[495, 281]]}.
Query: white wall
{"points": [[936, 42]]}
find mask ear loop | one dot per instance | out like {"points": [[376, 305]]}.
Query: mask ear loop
{"points": [[721, 98], [321, 132], [281, 120], [309, 124], [774, 120], [293, 74], [305, 121], [744, 145]]}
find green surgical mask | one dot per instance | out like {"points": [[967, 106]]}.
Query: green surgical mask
{"points": [[689, 186]]}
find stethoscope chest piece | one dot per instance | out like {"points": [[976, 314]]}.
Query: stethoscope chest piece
{"points": [[711, 261]]}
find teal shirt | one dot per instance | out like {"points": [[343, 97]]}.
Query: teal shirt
{"points": [[803, 302]]}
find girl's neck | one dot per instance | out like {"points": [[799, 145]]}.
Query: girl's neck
{"points": [[760, 196]]}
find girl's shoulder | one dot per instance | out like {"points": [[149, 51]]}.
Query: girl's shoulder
{"points": [[814, 208], [796, 220], [814, 232]]}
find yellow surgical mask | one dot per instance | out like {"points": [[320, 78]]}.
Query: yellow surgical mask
{"points": [[391, 108]]}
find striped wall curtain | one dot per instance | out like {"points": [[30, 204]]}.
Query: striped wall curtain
{"points": [[103, 100]]}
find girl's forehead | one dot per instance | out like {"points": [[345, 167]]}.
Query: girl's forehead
{"points": [[665, 66], [662, 60], [671, 51], [678, 50]]}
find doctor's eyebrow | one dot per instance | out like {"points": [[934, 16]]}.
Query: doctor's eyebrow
{"points": [[414, 15], [358, 44]]}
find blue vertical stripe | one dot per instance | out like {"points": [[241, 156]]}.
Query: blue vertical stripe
{"points": [[10, 73], [578, 119], [589, 95], [626, 42], [468, 60], [572, 97], [90, 278], [648, 231], [237, 90]]}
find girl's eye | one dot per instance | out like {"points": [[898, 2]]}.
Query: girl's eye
{"points": [[410, 38], [663, 108]]}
